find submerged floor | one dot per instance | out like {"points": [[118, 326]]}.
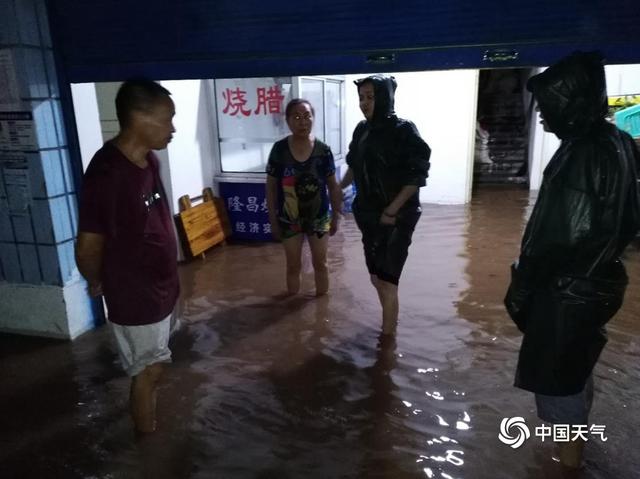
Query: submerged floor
{"points": [[264, 387]]}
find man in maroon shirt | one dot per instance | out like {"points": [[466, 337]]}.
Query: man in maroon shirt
{"points": [[126, 247]]}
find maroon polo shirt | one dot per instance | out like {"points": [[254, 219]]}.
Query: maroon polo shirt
{"points": [[127, 205]]}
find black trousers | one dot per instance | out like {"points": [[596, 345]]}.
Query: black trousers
{"points": [[386, 246]]}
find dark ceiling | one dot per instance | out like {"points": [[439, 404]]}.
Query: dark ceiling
{"points": [[103, 40]]}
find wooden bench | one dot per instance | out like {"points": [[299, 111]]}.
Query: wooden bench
{"points": [[202, 226]]}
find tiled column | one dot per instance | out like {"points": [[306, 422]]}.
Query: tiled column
{"points": [[41, 291]]}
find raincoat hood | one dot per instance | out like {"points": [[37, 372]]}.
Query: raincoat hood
{"points": [[384, 89], [572, 94]]}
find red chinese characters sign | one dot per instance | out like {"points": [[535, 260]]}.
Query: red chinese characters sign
{"points": [[269, 100], [251, 110]]}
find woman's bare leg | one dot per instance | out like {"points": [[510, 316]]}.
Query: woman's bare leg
{"points": [[388, 295], [293, 253], [318, 248]]}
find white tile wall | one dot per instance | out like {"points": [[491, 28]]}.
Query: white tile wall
{"points": [[50, 264], [53, 172], [62, 229], [30, 264], [41, 217], [10, 263]]}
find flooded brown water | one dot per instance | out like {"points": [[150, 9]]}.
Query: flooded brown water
{"points": [[265, 387]]}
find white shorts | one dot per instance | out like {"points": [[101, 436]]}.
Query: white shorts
{"points": [[142, 346]]}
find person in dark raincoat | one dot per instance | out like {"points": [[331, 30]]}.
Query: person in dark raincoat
{"points": [[569, 279], [389, 162]]}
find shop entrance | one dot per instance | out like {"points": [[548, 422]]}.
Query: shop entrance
{"points": [[502, 128]]}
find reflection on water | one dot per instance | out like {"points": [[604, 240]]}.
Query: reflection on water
{"points": [[264, 386]]}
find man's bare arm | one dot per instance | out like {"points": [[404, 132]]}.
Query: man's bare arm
{"points": [[89, 256]]}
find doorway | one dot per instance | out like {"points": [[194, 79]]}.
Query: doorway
{"points": [[502, 128]]}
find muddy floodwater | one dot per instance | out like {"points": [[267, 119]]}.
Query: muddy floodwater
{"points": [[264, 386]]}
